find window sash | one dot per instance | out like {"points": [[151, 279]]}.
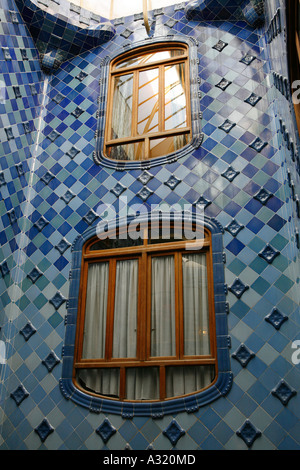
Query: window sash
{"points": [[143, 143], [143, 316], [128, 103], [162, 367]]}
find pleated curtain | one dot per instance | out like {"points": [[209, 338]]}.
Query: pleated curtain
{"points": [[143, 382]]}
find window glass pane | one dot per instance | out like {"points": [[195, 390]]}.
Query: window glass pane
{"points": [[175, 98], [116, 242], [181, 380], [166, 232], [126, 151], [95, 311], [164, 146], [195, 301], [125, 311], [169, 231], [122, 107], [163, 307], [148, 101], [145, 59], [142, 383], [103, 381]]}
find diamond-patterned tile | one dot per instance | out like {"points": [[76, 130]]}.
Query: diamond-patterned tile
{"points": [[174, 432], [276, 318], [238, 288], [234, 228], [269, 254], [243, 355], [283, 392], [248, 433], [19, 394], [51, 361], [44, 429], [57, 300], [106, 430], [27, 331]]}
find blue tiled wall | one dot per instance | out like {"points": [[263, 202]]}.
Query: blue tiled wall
{"points": [[20, 104], [56, 192]]}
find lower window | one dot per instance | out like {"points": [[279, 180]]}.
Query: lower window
{"points": [[146, 328]]}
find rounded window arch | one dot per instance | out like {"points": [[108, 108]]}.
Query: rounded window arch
{"points": [[149, 106], [146, 327], [148, 112], [117, 357]]}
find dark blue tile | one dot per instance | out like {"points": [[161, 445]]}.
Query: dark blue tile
{"points": [[255, 225], [232, 208], [253, 206], [277, 222], [235, 246]]}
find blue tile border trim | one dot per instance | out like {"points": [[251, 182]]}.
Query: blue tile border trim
{"points": [[197, 136], [190, 403]]}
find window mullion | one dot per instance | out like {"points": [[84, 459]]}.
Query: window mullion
{"points": [[161, 99], [109, 135], [146, 148], [135, 111], [135, 102]]}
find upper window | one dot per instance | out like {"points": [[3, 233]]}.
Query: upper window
{"points": [[148, 113], [146, 328], [293, 31]]}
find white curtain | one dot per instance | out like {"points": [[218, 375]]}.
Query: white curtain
{"points": [[187, 379], [104, 381], [195, 301], [163, 307], [142, 383], [125, 311], [95, 311]]}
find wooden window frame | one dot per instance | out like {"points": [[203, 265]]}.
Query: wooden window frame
{"points": [[293, 47], [144, 253], [135, 69]]}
